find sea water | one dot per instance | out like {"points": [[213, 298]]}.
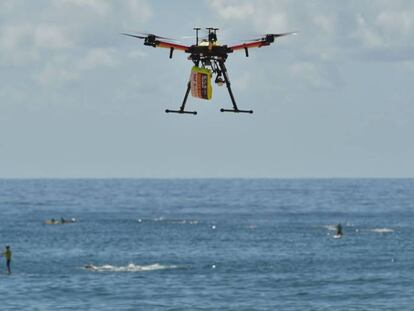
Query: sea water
{"points": [[207, 244]]}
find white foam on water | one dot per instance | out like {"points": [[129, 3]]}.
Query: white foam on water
{"points": [[382, 230], [129, 268], [185, 221], [172, 221]]}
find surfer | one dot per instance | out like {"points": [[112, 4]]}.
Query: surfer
{"points": [[8, 254], [90, 267], [339, 230]]}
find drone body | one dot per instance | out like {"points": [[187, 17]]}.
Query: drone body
{"points": [[208, 57]]}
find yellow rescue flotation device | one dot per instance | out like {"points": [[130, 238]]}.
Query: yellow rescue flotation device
{"points": [[200, 81]]}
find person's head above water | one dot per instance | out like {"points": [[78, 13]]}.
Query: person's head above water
{"points": [[7, 247]]}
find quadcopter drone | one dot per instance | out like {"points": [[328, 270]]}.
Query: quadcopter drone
{"points": [[211, 56]]}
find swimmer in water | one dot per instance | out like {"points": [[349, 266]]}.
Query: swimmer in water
{"points": [[339, 230], [90, 267], [8, 255]]}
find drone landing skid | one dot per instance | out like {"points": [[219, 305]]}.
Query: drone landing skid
{"points": [[236, 110], [181, 111], [228, 85]]}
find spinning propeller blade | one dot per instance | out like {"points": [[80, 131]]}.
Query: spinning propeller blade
{"points": [[156, 36], [284, 34], [275, 35], [146, 35], [193, 36], [135, 36]]}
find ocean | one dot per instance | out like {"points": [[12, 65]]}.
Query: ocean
{"points": [[208, 244]]}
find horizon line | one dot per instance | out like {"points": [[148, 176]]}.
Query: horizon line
{"points": [[208, 177]]}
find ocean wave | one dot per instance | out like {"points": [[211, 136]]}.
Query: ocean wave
{"points": [[382, 230], [171, 221], [129, 268]]}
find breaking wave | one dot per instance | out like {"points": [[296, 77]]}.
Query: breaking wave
{"points": [[129, 268], [171, 221], [382, 230]]}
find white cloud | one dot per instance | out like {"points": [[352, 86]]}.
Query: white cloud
{"points": [[42, 36], [61, 70], [327, 32], [99, 7], [396, 22], [233, 9], [275, 22], [97, 58], [367, 36], [49, 36], [16, 45], [138, 10], [386, 33], [24, 43], [312, 75], [57, 41], [57, 72], [67, 24], [14, 36], [326, 23]]}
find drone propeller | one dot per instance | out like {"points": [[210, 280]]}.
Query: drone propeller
{"points": [[134, 36], [274, 35], [146, 35], [156, 36], [284, 34], [192, 37]]}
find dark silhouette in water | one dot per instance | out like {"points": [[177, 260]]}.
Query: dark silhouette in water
{"points": [[8, 254], [339, 232]]}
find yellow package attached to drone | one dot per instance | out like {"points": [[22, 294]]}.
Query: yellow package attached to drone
{"points": [[200, 80]]}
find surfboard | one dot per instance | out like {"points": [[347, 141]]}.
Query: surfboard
{"points": [[59, 222]]}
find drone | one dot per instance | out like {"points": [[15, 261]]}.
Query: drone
{"points": [[208, 57]]}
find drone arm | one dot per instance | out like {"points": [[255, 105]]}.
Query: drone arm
{"points": [[153, 40], [259, 42], [168, 45], [245, 46]]}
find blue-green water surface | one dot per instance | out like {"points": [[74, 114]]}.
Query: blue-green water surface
{"points": [[207, 244]]}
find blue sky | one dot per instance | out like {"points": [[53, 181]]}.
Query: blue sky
{"points": [[77, 99]]}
